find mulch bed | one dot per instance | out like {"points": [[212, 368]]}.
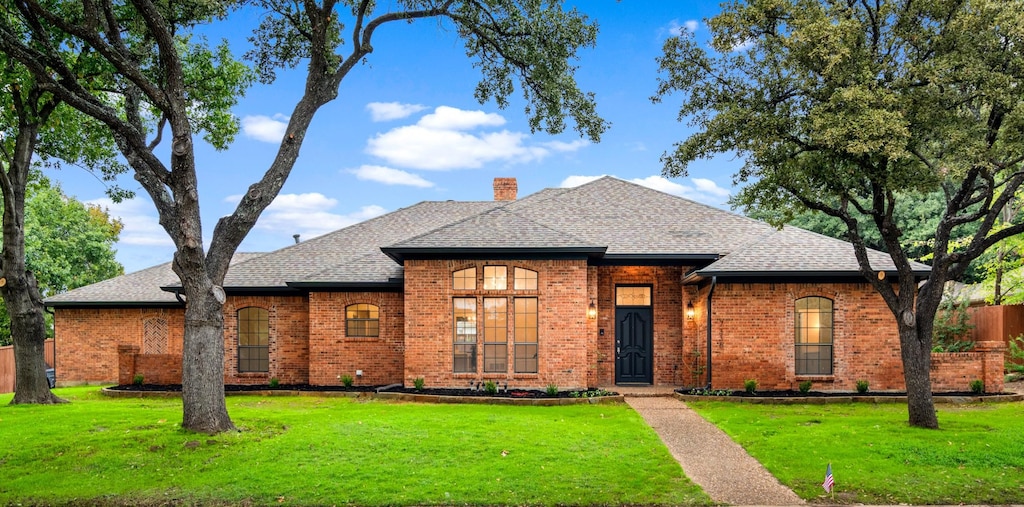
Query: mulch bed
{"points": [[819, 394], [501, 393]]}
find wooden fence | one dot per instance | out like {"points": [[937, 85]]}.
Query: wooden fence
{"points": [[997, 323], [7, 365]]}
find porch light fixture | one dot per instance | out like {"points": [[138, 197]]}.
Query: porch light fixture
{"points": [[689, 310], [592, 310]]}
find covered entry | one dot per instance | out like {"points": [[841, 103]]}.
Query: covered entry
{"points": [[634, 335]]}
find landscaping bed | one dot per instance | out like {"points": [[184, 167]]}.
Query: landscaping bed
{"points": [[470, 392]]}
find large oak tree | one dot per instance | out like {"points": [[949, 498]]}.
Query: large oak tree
{"points": [[531, 43], [848, 107]]}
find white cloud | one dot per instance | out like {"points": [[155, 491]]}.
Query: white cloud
{"points": [[386, 111], [139, 218], [266, 129], [389, 176], [307, 214], [442, 141], [743, 45], [575, 181], [703, 190], [567, 147], [675, 28], [450, 118]]}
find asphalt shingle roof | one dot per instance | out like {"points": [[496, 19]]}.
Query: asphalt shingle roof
{"points": [[610, 215]]}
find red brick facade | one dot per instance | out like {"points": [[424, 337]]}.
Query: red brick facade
{"points": [[752, 334]]}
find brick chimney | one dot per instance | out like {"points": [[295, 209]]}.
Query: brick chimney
{"points": [[505, 189]]}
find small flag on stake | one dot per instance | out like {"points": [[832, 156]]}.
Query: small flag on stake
{"points": [[829, 481]]}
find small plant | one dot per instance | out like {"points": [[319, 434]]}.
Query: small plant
{"points": [[750, 386], [418, 383], [977, 386], [710, 392], [1015, 349], [274, 382], [552, 390], [590, 393], [805, 386], [138, 379], [490, 388], [346, 380], [862, 386]]}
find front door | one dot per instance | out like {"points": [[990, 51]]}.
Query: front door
{"points": [[633, 348]]}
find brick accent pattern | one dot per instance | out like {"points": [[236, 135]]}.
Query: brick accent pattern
{"points": [[154, 339], [505, 189], [333, 354], [565, 339]]}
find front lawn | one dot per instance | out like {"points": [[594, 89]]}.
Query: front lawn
{"points": [[308, 450], [976, 458]]}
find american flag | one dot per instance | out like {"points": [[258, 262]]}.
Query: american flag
{"points": [[829, 482]]}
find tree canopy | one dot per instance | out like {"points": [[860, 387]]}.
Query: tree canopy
{"points": [[850, 107]]}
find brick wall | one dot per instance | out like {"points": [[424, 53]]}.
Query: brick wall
{"points": [[289, 339], [87, 339], [332, 353], [753, 337], [565, 337], [161, 369], [954, 371]]}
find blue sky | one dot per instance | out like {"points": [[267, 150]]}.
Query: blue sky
{"points": [[406, 128]]}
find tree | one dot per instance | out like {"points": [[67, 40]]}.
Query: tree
{"points": [[68, 244], [851, 107], [37, 129], [532, 42]]}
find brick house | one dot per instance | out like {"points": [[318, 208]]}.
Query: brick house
{"points": [[606, 283]]}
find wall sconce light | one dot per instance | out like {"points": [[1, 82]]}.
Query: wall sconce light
{"points": [[592, 310], [689, 311]]}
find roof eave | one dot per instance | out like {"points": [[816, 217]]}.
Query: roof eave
{"points": [[112, 304], [699, 275]]}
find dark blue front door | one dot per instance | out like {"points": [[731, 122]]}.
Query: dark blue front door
{"points": [[634, 358]]}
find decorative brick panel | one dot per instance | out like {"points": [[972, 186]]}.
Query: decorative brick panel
{"points": [[154, 336]]}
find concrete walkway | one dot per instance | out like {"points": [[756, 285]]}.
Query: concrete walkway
{"points": [[709, 457]]}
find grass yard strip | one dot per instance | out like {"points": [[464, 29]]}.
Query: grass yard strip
{"points": [[308, 450], [977, 457]]}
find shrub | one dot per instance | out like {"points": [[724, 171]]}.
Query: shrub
{"points": [[274, 382], [1016, 351], [418, 383], [552, 390], [952, 327], [490, 387], [750, 385], [138, 379], [862, 386], [346, 380], [805, 386], [977, 386]]}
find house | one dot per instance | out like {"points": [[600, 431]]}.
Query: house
{"points": [[602, 284]]}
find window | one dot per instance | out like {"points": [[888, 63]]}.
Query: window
{"points": [[495, 277], [525, 279], [495, 335], [526, 335], [813, 336], [253, 340], [362, 320], [633, 296], [464, 279], [465, 335]]}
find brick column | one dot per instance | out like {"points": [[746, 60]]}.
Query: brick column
{"points": [[992, 364], [126, 363]]}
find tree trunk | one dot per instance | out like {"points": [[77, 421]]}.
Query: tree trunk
{"points": [[916, 352], [202, 388]]}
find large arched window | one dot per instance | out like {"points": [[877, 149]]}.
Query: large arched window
{"points": [[362, 320], [814, 336], [253, 340]]}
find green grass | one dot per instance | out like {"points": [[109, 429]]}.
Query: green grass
{"points": [[977, 457], [307, 450]]}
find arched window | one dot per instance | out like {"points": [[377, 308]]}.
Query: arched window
{"points": [[362, 320], [464, 279], [253, 340], [814, 336], [525, 279]]}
